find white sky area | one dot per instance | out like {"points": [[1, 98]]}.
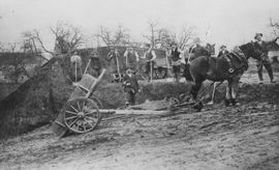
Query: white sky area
{"points": [[230, 22]]}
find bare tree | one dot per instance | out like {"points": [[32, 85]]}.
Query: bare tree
{"points": [[67, 38], [164, 38], [154, 30], [183, 38], [12, 47], [32, 43], [29, 44], [120, 37], [37, 38], [105, 35]]}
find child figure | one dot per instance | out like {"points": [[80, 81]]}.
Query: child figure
{"points": [[131, 87]]}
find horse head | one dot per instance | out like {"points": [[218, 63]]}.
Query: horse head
{"points": [[251, 50], [210, 48]]}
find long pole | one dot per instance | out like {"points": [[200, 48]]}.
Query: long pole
{"points": [[87, 66], [214, 90], [126, 59], [213, 93], [118, 69], [76, 72], [151, 71]]}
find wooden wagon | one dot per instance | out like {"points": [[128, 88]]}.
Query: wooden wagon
{"points": [[81, 113]]}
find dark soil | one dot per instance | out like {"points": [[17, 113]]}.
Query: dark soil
{"points": [[218, 137]]}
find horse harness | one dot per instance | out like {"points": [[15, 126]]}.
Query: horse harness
{"points": [[237, 61]]}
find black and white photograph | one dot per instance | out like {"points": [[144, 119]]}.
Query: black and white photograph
{"points": [[139, 85]]}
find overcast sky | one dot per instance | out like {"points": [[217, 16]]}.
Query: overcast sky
{"points": [[230, 22]]}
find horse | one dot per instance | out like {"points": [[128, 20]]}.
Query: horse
{"points": [[207, 50], [228, 68]]}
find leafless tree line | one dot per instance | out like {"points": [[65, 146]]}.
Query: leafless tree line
{"points": [[68, 38]]}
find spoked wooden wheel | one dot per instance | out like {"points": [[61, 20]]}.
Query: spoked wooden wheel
{"points": [[81, 115], [161, 73]]}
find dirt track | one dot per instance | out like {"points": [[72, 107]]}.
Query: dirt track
{"points": [[244, 137]]}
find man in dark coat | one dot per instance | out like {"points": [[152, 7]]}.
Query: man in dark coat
{"points": [[131, 58], [264, 61], [116, 65], [131, 87], [175, 60], [223, 51], [95, 64]]}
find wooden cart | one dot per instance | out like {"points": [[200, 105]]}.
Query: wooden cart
{"points": [[81, 113]]}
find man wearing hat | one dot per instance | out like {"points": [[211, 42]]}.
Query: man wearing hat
{"points": [[131, 58], [150, 57], [131, 87], [223, 51], [264, 62], [75, 67]]}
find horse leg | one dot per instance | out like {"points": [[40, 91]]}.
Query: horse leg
{"points": [[194, 92], [195, 89], [214, 90]]}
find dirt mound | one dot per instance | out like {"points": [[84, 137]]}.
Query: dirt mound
{"points": [[7, 88], [35, 102], [243, 137]]}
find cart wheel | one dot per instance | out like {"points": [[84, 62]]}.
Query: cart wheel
{"points": [[161, 73], [81, 115]]}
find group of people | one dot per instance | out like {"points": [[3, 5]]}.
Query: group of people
{"points": [[131, 66], [131, 61], [176, 58]]}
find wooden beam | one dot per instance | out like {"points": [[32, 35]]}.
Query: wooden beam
{"points": [[132, 112]]}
